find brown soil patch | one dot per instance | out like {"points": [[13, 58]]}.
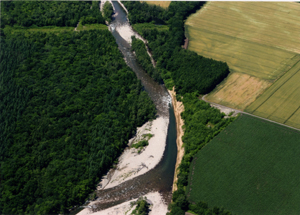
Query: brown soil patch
{"points": [[178, 109], [238, 90]]}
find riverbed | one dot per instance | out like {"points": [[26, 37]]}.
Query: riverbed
{"points": [[157, 179]]}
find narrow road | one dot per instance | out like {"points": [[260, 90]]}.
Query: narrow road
{"points": [[242, 112]]}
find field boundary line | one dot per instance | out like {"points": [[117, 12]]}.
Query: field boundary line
{"points": [[279, 86], [291, 115], [249, 114]]}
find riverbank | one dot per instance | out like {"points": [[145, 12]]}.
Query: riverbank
{"points": [[132, 163], [178, 109], [157, 207]]}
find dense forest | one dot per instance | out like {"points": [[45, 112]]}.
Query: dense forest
{"points": [[141, 12], [47, 13], [187, 70], [144, 59], [68, 105], [191, 75], [107, 11]]}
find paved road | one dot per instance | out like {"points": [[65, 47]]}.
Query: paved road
{"points": [[242, 112]]}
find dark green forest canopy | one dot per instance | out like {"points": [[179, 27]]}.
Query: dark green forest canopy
{"points": [[107, 11], [47, 13], [143, 59], [185, 69], [68, 105], [140, 12]]}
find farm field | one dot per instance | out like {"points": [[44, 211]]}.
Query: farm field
{"points": [[163, 4], [281, 102], [242, 88], [258, 40], [251, 167]]}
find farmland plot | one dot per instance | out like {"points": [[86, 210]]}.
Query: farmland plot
{"points": [[238, 90], [275, 24], [251, 167], [260, 42], [281, 102]]}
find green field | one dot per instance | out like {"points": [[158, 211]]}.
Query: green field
{"points": [[252, 167], [281, 102]]}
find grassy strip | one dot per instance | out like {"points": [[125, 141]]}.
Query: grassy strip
{"points": [[45, 29], [88, 27], [52, 29], [142, 27]]}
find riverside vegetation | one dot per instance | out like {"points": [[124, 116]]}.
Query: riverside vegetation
{"points": [[107, 11], [191, 75], [68, 105]]}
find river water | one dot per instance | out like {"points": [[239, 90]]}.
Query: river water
{"points": [[161, 177]]}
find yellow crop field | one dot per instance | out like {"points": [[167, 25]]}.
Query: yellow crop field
{"points": [[242, 88], [275, 24], [163, 4], [242, 56], [281, 102], [260, 42]]}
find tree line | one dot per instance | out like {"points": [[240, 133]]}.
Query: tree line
{"points": [[201, 124], [68, 105]]}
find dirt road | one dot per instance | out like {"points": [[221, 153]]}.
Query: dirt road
{"points": [[221, 107]]}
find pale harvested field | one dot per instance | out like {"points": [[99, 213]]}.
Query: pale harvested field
{"points": [[281, 102], [163, 4], [238, 90], [275, 24], [260, 41]]}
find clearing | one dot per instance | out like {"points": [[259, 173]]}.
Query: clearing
{"points": [[163, 4]]}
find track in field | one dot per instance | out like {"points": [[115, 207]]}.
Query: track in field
{"points": [[281, 102]]}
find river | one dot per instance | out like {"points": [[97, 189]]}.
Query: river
{"points": [[161, 177]]}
